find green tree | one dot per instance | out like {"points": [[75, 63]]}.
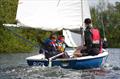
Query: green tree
{"points": [[8, 10], [108, 20]]}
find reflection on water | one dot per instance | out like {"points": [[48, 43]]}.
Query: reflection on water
{"points": [[14, 66]]}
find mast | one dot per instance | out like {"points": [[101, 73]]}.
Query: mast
{"points": [[81, 28], [82, 11]]}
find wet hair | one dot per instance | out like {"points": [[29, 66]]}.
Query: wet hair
{"points": [[87, 21]]}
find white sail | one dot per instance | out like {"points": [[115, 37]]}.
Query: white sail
{"points": [[72, 39], [55, 15], [52, 15]]}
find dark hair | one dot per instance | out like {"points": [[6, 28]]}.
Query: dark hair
{"points": [[87, 21], [60, 37], [53, 36]]}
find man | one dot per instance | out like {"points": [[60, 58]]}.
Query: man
{"points": [[92, 39], [50, 46]]}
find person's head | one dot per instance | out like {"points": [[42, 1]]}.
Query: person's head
{"points": [[87, 21], [61, 38], [53, 37]]}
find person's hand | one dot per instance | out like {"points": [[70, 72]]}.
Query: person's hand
{"points": [[81, 30]]}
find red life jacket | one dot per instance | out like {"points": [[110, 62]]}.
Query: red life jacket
{"points": [[52, 43], [95, 36]]}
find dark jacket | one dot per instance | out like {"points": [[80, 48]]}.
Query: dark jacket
{"points": [[88, 37], [91, 48]]}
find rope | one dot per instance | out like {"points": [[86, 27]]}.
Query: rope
{"points": [[58, 3], [36, 46], [103, 27], [101, 19]]}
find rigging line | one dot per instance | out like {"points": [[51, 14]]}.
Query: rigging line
{"points": [[103, 26], [58, 3], [101, 19], [36, 46]]}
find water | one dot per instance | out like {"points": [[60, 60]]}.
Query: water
{"points": [[14, 66]]}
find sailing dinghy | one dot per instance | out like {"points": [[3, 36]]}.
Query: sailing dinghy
{"points": [[56, 15]]}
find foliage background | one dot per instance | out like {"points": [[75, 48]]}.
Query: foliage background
{"points": [[107, 20]]}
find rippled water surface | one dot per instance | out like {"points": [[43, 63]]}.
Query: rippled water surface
{"points": [[14, 66]]}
